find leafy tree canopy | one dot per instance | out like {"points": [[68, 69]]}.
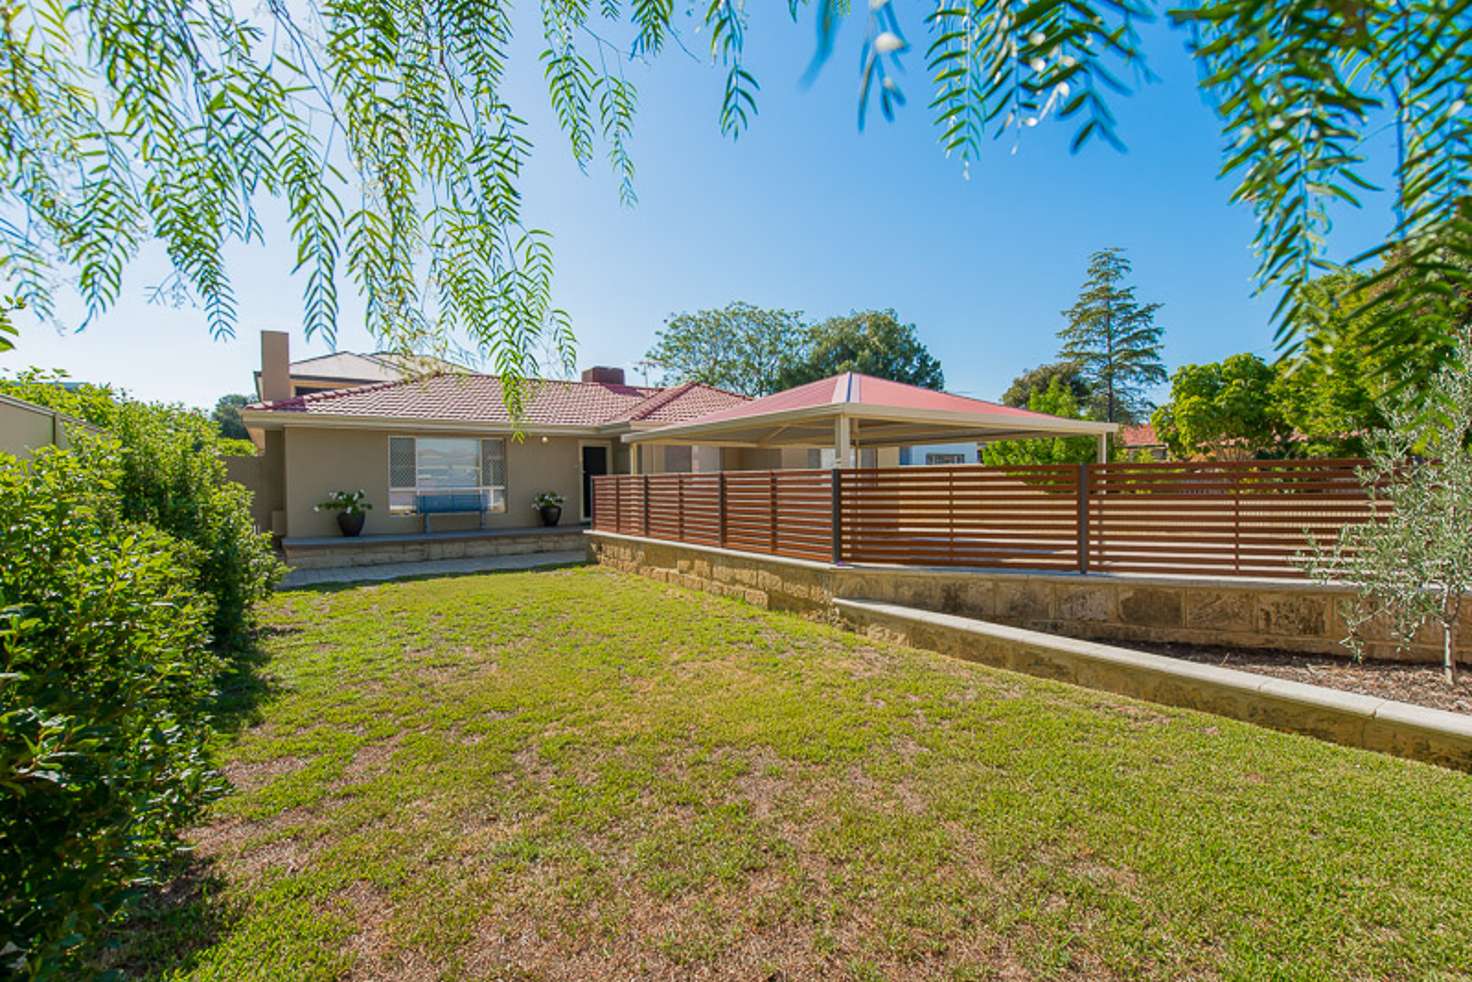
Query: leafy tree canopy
{"points": [[388, 133], [1334, 391], [8, 332], [874, 342], [227, 416], [1058, 400], [738, 347], [1019, 394], [54, 389], [1324, 400], [1113, 339], [1223, 409]]}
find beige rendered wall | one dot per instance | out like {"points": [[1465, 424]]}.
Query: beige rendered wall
{"points": [[23, 430], [319, 461], [264, 475]]}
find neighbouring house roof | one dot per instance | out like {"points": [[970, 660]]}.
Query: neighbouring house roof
{"points": [[882, 413], [479, 400], [1142, 435], [347, 368]]}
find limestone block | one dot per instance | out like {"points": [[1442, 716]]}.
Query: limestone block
{"points": [[1220, 610], [1023, 601], [1296, 614], [1151, 606], [1086, 603]]}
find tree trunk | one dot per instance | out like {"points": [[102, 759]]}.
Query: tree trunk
{"points": [[1449, 650], [1109, 361]]}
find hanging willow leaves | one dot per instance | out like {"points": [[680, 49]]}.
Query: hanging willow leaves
{"points": [[385, 127]]}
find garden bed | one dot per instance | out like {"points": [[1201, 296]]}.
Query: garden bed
{"points": [[1417, 683]]}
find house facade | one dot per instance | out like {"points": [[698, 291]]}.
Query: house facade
{"points": [[446, 440]]}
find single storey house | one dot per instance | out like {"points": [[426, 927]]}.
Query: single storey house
{"points": [[449, 434]]}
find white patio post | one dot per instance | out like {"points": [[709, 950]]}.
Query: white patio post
{"points": [[635, 450], [841, 441], [1103, 448]]}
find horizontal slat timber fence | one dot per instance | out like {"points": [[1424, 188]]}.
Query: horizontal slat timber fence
{"points": [[1249, 518], [1244, 518], [961, 516]]}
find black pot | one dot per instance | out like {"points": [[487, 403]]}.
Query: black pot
{"points": [[351, 524], [551, 514]]}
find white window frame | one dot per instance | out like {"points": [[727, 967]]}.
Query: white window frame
{"points": [[493, 496]]}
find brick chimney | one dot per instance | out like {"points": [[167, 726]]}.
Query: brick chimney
{"points": [[275, 366], [604, 375]]}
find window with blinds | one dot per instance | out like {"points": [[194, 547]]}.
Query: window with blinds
{"points": [[445, 465]]}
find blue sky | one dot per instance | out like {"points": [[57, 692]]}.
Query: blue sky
{"points": [[804, 211]]}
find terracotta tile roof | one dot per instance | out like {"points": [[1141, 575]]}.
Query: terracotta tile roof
{"points": [[478, 399], [1138, 436], [683, 402]]}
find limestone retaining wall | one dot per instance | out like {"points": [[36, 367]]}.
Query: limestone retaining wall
{"points": [[1245, 613]]}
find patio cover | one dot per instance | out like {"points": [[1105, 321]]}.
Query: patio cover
{"points": [[855, 410]]}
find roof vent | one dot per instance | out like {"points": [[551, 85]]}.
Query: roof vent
{"points": [[604, 375]]}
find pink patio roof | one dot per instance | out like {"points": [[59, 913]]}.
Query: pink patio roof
{"points": [[880, 413]]}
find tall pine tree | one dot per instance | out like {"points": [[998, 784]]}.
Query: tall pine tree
{"points": [[1114, 340]]}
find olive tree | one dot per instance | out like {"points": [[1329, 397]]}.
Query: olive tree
{"points": [[1412, 565]]}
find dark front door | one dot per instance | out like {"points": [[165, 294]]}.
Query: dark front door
{"points": [[595, 463]]}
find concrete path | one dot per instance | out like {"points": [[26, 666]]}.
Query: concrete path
{"points": [[437, 567]]}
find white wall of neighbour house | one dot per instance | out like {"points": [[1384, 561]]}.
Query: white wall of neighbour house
{"points": [[919, 454]]}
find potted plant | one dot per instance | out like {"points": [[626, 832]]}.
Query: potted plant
{"points": [[549, 505], [351, 507]]}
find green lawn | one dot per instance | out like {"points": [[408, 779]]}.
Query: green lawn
{"points": [[580, 774]]}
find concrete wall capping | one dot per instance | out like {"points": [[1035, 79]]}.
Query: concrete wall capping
{"points": [[1225, 583]]}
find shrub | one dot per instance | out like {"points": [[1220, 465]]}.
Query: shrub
{"points": [[54, 390], [106, 668], [1413, 566], [172, 476]]}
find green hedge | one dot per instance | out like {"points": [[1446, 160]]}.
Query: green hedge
{"points": [[107, 668], [171, 475], [129, 575]]}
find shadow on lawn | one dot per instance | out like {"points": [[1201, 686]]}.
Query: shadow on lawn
{"points": [[245, 686], [164, 927], [167, 926]]}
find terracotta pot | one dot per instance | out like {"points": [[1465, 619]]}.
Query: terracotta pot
{"points": [[351, 524]]}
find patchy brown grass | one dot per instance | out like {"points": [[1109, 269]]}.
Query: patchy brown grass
{"points": [[585, 776]]}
